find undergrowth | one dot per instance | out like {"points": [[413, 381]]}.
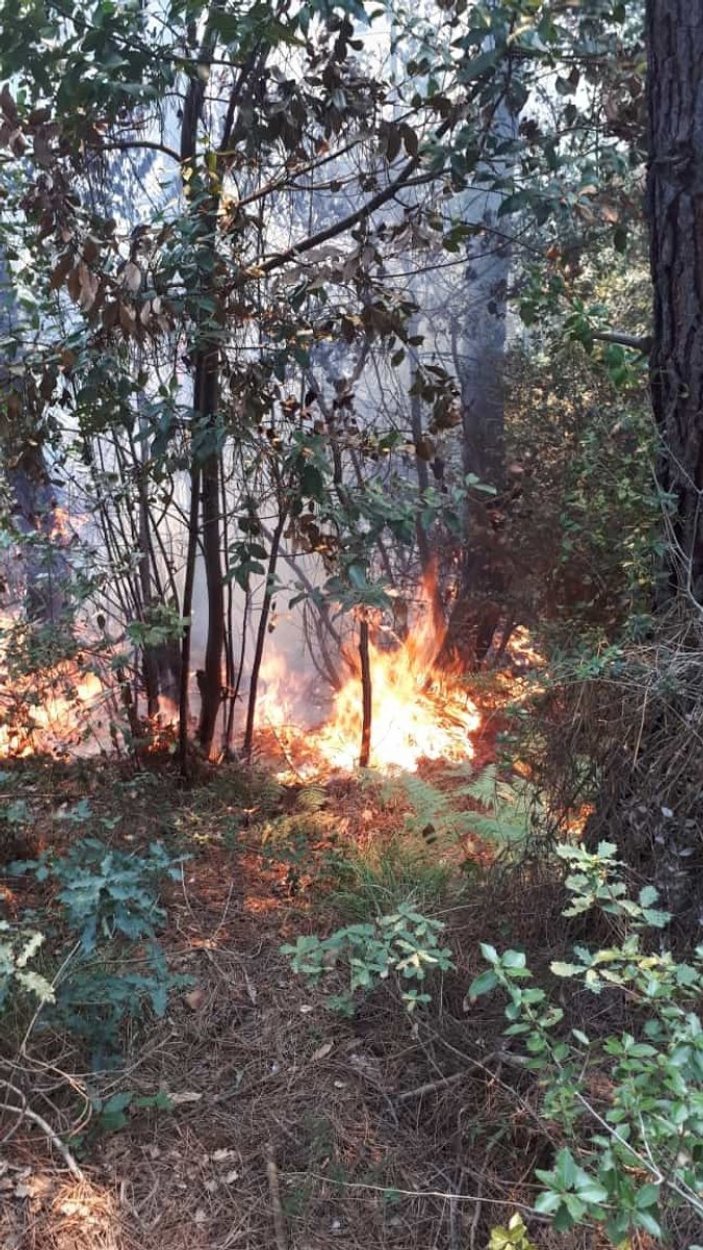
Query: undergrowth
{"points": [[104, 966]]}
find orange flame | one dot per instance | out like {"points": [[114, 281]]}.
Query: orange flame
{"points": [[55, 723], [417, 712]]}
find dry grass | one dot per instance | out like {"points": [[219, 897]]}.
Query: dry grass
{"points": [[629, 741], [258, 1068]]}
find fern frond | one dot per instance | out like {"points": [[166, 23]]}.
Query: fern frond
{"points": [[311, 798]]}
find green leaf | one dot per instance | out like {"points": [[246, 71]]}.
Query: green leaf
{"points": [[548, 1202], [590, 1191], [514, 203], [645, 1220], [482, 985], [647, 1196], [514, 959], [565, 970], [565, 1169], [118, 1102]]}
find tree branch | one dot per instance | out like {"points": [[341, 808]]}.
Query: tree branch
{"points": [[352, 219], [637, 343], [121, 145]]}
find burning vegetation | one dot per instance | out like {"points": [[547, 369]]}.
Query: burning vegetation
{"points": [[416, 709]]}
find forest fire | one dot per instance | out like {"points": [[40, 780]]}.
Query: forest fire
{"points": [[417, 712], [54, 718]]}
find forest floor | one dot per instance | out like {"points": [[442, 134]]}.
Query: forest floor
{"points": [[289, 1127]]}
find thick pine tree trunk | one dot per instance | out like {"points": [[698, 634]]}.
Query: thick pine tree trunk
{"points": [[650, 800], [675, 210]]}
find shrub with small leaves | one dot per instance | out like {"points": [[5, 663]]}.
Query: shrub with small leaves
{"points": [[404, 943], [637, 1145], [105, 892]]}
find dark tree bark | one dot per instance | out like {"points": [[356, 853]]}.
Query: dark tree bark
{"points": [[650, 791], [366, 693], [212, 680], [184, 692], [205, 397], [675, 210], [261, 632]]}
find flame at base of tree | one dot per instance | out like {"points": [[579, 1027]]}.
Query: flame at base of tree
{"points": [[417, 711], [416, 714]]}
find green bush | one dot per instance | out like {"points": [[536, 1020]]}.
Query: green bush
{"points": [[112, 969], [636, 1146], [106, 893], [405, 944]]}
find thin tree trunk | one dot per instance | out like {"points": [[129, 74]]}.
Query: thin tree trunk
{"points": [[149, 662], [205, 395], [230, 674], [261, 632], [211, 684], [366, 693], [184, 694]]}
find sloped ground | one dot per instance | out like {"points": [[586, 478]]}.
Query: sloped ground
{"points": [[290, 1126]]}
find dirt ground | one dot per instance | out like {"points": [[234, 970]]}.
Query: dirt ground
{"points": [[290, 1128]]}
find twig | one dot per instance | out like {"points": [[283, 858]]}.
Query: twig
{"points": [[423, 1193], [275, 1192], [639, 343], [430, 1086], [366, 692], [473, 1230], [25, 1112]]}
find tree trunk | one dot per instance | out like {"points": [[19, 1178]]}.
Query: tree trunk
{"points": [[478, 344], [35, 515], [184, 692], [211, 682], [205, 398], [34, 508], [650, 794], [675, 209], [261, 632], [366, 693]]}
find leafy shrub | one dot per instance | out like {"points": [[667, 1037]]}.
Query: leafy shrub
{"points": [[405, 943], [107, 897], [637, 1144], [18, 946], [105, 892], [99, 996], [424, 862]]}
